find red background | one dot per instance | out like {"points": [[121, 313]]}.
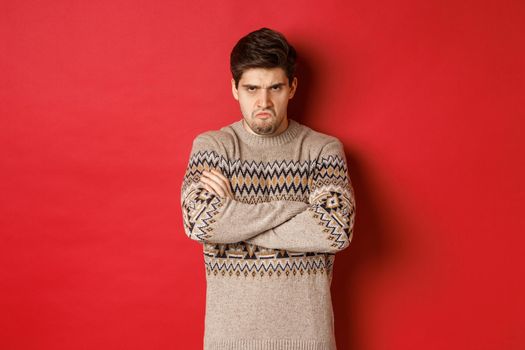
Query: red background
{"points": [[100, 101]]}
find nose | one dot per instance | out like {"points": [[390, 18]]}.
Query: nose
{"points": [[264, 100]]}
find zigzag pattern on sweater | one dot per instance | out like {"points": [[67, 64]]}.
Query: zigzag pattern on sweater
{"points": [[320, 263], [322, 182], [247, 251], [198, 212], [263, 179], [333, 209]]}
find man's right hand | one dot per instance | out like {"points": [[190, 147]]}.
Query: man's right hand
{"points": [[216, 183]]}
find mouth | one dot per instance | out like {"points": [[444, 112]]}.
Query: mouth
{"points": [[263, 115]]}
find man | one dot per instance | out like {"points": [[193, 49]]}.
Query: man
{"points": [[271, 202]]}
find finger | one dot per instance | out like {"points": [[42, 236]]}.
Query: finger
{"points": [[219, 174], [225, 184], [212, 177], [209, 189], [205, 186], [214, 185], [225, 180], [216, 176]]}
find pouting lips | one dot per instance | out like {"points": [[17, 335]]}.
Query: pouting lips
{"points": [[263, 115]]}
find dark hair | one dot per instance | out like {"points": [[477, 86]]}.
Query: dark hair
{"points": [[263, 48]]}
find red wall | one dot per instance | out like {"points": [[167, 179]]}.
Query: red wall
{"points": [[99, 103]]}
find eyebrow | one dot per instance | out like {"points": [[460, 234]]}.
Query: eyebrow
{"points": [[258, 87]]}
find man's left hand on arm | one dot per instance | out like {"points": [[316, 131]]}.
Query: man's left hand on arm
{"points": [[215, 182]]}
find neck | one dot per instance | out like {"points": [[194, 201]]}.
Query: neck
{"points": [[290, 132], [282, 127]]}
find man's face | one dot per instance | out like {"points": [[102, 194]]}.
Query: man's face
{"points": [[263, 95]]}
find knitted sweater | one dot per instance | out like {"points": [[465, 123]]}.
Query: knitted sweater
{"points": [[269, 252]]}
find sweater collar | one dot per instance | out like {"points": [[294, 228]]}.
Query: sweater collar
{"points": [[267, 140]]}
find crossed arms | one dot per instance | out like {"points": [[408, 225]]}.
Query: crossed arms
{"points": [[211, 214]]}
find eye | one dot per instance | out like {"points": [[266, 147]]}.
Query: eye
{"points": [[251, 88], [276, 88]]}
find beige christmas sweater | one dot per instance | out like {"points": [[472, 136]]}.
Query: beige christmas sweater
{"points": [[270, 251]]}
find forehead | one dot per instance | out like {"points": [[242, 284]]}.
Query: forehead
{"points": [[263, 76]]}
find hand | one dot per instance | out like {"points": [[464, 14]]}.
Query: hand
{"points": [[216, 183]]}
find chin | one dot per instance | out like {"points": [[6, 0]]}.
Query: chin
{"points": [[265, 123], [263, 130], [262, 126]]}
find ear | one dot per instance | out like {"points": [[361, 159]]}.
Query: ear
{"points": [[293, 88], [235, 92]]}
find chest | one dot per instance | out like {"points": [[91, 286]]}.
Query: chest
{"points": [[253, 181]]}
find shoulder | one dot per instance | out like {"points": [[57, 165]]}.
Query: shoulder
{"points": [[214, 140], [321, 139], [321, 143]]}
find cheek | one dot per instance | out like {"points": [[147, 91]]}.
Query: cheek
{"points": [[246, 108], [281, 102], [246, 102]]}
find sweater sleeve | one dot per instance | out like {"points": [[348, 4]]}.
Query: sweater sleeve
{"points": [[213, 219], [327, 224]]}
